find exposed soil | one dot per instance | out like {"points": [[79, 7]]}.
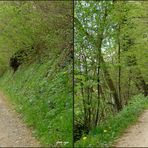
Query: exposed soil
{"points": [[13, 132], [136, 135]]}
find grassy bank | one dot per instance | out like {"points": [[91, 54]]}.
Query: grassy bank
{"points": [[108, 132], [44, 101]]}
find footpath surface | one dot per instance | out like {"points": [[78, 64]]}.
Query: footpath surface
{"points": [[13, 132], [136, 135]]}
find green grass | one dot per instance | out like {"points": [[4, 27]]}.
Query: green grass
{"points": [[108, 132], [44, 102]]}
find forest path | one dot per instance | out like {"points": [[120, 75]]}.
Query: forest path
{"points": [[136, 135], [13, 132]]}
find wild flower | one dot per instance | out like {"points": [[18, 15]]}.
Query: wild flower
{"points": [[66, 142], [84, 138]]}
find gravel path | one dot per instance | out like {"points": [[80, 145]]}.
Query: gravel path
{"points": [[13, 132], [136, 135]]}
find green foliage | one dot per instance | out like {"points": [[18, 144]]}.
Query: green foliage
{"points": [[109, 131], [45, 26], [39, 35], [44, 103], [110, 65]]}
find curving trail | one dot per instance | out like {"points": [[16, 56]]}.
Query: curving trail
{"points": [[13, 132], [136, 135]]}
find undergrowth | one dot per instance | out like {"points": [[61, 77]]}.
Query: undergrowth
{"points": [[106, 134], [44, 102]]}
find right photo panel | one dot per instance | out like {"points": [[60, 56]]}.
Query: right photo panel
{"points": [[110, 73]]}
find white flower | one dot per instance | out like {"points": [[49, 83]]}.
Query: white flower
{"points": [[59, 142], [66, 142]]}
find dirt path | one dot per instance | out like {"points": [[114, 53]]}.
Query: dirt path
{"points": [[137, 135], [13, 133]]}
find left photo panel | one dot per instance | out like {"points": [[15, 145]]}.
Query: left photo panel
{"points": [[36, 73]]}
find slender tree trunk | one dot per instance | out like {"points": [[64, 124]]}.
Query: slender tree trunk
{"points": [[129, 85], [119, 62], [105, 69], [88, 110], [98, 95], [98, 78]]}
